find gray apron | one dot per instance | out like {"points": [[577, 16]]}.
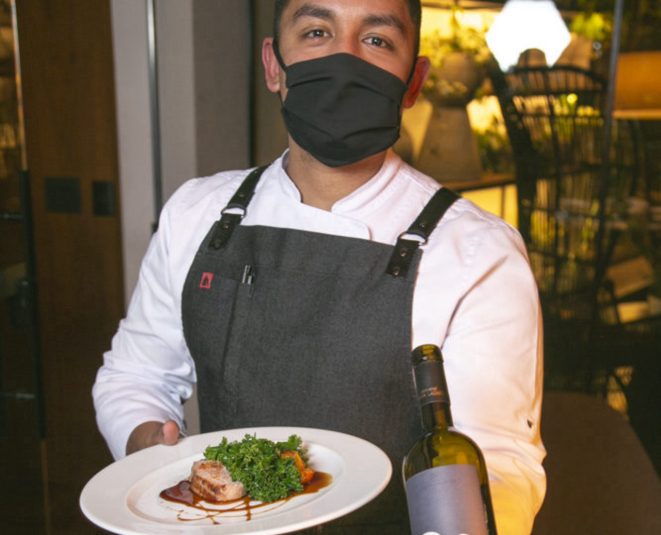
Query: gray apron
{"points": [[295, 328]]}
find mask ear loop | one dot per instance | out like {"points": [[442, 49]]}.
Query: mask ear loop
{"points": [[276, 51], [410, 78], [415, 64]]}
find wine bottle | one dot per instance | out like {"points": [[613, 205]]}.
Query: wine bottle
{"points": [[447, 488]]}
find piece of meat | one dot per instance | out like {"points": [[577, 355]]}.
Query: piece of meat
{"points": [[212, 481]]}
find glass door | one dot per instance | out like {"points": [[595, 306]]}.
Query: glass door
{"points": [[21, 419]]}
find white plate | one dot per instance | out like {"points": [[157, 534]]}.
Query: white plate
{"points": [[124, 497]]}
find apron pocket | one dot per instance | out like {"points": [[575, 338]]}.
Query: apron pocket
{"points": [[215, 316]]}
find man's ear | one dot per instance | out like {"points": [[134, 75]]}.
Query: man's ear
{"points": [[422, 66], [271, 66]]}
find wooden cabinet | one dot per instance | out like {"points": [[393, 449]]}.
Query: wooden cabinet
{"points": [[68, 110]]}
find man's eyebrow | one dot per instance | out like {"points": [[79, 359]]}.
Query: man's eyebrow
{"points": [[320, 12], [386, 20], [312, 10]]}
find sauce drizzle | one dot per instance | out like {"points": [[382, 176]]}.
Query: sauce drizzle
{"points": [[245, 507]]}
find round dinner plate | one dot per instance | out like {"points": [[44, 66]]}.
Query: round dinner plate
{"points": [[124, 497]]}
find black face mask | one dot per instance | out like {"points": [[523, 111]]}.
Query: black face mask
{"points": [[340, 108]]}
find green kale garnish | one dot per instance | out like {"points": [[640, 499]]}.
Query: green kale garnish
{"points": [[257, 463]]}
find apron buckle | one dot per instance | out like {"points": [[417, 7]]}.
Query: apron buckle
{"points": [[224, 228]]}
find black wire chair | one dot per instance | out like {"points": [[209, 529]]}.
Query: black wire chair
{"points": [[573, 207]]}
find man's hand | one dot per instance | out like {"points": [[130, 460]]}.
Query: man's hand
{"points": [[151, 433]]}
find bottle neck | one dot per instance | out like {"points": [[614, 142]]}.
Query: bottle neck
{"points": [[431, 388], [436, 416]]}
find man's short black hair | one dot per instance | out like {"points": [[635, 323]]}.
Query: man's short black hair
{"points": [[414, 9]]}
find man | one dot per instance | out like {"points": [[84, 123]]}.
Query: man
{"points": [[301, 312]]}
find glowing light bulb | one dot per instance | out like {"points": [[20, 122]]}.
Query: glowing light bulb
{"points": [[527, 24]]}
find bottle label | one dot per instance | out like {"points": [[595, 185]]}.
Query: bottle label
{"points": [[446, 501], [430, 383]]}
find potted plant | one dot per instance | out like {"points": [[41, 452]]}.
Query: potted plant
{"points": [[457, 62], [449, 151], [590, 33]]}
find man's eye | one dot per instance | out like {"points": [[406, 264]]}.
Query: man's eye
{"points": [[316, 33], [377, 41]]}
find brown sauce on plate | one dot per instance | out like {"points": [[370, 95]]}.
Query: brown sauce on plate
{"points": [[181, 493]]}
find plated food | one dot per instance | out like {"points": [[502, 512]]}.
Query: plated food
{"points": [[247, 471], [123, 498], [264, 470]]}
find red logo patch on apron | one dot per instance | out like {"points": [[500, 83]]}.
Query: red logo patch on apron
{"points": [[205, 283]]}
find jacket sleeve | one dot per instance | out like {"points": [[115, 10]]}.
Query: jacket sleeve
{"points": [[148, 372], [485, 315], [494, 349]]}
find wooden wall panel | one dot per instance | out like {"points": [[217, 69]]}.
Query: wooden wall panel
{"points": [[69, 109]]}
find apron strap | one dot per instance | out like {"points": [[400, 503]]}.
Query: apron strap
{"points": [[239, 201], [422, 227]]}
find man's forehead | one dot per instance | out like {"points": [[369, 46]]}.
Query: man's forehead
{"points": [[389, 12], [315, 10]]}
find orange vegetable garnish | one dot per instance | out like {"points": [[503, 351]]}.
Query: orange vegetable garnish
{"points": [[306, 473]]}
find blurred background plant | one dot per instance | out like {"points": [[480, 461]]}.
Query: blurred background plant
{"points": [[491, 135], [457, 56]]}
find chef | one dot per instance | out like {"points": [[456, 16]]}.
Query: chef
{"points": [[293, 294]]}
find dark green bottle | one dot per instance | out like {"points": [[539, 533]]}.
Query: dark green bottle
{"points": [[447, 488]]}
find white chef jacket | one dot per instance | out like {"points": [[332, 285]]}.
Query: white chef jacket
{"points": [[475, 297]]}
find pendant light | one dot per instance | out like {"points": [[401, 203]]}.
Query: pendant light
{"points": [[527, 24]]}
